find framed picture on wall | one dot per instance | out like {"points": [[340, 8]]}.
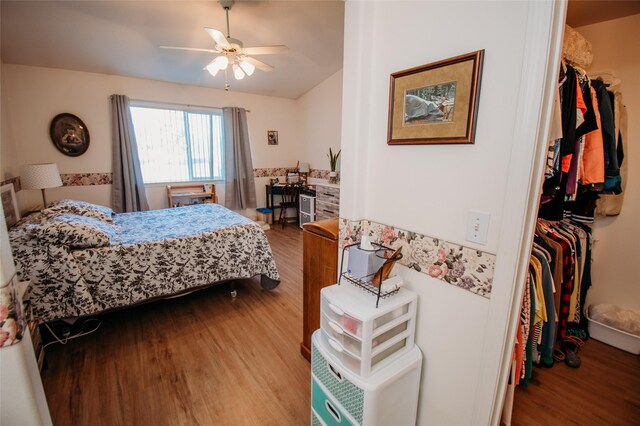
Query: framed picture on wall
{"points": [[69, 134], [9, 205], [272, 137], [436, 103]]}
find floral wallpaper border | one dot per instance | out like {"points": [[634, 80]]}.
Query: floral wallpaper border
{"points": [[83, 179], [12, 321], [72, 179], [282, 171], [464, 267]]}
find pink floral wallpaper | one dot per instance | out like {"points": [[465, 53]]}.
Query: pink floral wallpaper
{"points": [[464, 267], [11, 316]]}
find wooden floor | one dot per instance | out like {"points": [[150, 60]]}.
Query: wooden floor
{"points": [[204, 358], [209, 359], [605, 390]]}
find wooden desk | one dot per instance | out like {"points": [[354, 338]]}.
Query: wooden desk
{"points": [[272, 190], [277, 189]]}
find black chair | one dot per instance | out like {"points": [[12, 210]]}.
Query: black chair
{"points": [[289, 200]]}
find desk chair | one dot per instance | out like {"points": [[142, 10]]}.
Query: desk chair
{"points": [[289, 200]]}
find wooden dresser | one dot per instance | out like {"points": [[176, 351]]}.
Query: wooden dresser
{"points": [[320, 269]]}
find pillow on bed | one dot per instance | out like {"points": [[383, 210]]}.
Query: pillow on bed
{"points": [[81, 208], [74, 231]]}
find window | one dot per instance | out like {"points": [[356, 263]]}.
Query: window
{"points": [[178, 143]]}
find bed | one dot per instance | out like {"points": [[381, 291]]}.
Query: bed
{"points": [[81, 259]]}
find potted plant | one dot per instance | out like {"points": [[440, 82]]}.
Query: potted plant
{"points": [[333, 162]]}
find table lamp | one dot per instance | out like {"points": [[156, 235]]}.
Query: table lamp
{"points": [[40, 176], [303, 169]]}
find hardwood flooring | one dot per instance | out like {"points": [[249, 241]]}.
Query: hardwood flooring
{"points": [[605, 390], [206, 358]]}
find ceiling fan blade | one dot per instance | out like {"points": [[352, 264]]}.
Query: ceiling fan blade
{"points": [[259, 64], [218, 37], [195, 49], [265, 50]]}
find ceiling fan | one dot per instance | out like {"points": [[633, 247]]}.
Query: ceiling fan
{"points": [[232, 52]]}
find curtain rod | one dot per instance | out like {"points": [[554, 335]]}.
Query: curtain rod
{"points": [[174, 103]]}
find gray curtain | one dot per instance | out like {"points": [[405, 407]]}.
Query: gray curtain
{"points": [[128, 188], [240, 188]]}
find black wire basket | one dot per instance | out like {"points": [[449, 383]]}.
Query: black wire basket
{"points": [[367, 283]]}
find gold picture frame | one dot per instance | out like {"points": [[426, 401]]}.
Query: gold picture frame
{"points": [[9, 205], [436, 103]]}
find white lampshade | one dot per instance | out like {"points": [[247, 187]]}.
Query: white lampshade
{"points": [[212, 68], [303, 168], [237, 72], [222, 62], [247, 67], [40, 176]]}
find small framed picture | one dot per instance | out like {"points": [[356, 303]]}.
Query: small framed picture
{"points": [[436, 103], [272, 137], [9, 205]]}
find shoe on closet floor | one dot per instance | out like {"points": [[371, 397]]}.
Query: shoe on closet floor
{"points": [[570, 346]]}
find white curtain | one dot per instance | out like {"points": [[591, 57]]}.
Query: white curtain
{"points": [[240, 188], [129, 194]]}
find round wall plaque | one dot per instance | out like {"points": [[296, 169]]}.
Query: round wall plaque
{"points": [[69, 134]]}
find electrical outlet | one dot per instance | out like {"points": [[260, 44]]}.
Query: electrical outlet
{"points": [[478, 227]]}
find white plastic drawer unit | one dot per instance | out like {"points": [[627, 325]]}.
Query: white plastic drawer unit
{"points": [[339, 397], [359, 335], [354, 344], [305, 218], [307, 204]]}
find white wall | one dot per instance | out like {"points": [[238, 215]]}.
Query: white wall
{"points": [[615, 251], [430, 188], [320, 117], [32, 96], [8, 167]]}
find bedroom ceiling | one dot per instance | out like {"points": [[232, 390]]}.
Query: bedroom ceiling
{"points": [[122, 38]]}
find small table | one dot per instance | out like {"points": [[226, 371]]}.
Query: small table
{"points": [[272, 190]]}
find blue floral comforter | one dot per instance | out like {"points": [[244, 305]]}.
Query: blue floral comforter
{"points": [[150, 255]]}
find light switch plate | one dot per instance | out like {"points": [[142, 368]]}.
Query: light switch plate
{"points": [[478, 227]]}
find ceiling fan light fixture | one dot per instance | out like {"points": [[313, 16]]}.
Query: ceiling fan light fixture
{"points": [[247, 67], [237, 72], [221, 62], [213, 68]]}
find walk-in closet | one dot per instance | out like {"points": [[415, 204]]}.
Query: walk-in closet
{"points": [[571, 364]]}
